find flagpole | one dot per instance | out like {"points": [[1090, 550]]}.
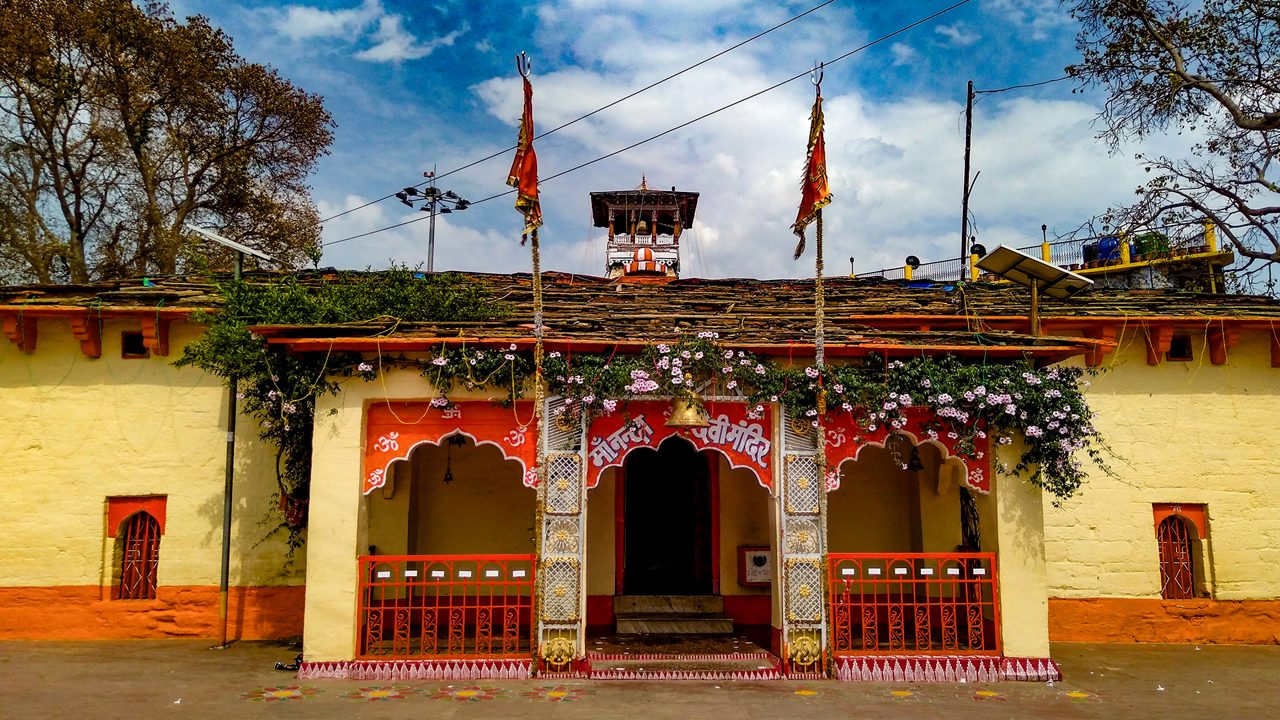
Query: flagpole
{"points": [[524, 177], [815, 194]]}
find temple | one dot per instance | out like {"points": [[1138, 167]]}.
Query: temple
{"points": [[449, 535]]}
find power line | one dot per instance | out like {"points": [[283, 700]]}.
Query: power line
{"points": [[622, 99], [1019, 87], [685, 124]]}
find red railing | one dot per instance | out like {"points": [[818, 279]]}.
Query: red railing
{"points": [[914, 603], [445, 606]]}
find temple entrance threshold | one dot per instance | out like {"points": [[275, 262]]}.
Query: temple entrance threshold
{"points": [[667, 545], [667, 521]]}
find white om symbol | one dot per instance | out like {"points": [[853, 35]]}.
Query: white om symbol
{"points": [[515, 438], [387, 442]]}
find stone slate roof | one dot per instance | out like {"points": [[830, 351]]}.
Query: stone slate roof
{"points": [[760, 313]]}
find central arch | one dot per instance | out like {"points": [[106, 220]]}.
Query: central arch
{"points": [[667, 521]]}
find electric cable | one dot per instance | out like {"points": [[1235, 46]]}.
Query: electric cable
{"points": [[620, 100], [681, 126]]}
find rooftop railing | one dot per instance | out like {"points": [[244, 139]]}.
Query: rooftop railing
{"points": [[1077, 254]]}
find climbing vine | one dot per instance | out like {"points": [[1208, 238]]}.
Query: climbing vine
{"points": [[969, 400], [279, 389]]}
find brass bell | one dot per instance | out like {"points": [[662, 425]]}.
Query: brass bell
{"points": [[642, 228], [687, 410]]}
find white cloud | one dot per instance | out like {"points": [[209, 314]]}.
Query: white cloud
{"points": [[1040, 16], [958, 34], [903, 54], [393, 43], [381, 33], [302, 22]]}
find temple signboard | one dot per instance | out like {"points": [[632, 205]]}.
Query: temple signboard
{"points": [[736, 431]]}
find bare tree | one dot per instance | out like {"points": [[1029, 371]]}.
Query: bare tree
{"points": [[1207, 68], [118, 124]]}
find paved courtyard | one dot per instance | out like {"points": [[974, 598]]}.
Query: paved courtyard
{"points": [[186, 679]]}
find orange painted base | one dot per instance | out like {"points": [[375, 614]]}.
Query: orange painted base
{"points": [[85, 612], [1143, 620]]}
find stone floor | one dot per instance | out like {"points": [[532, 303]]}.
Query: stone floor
{"points": [[179, 678]]}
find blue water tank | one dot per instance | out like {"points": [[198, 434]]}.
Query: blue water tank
{"points": [[1109, 249]]}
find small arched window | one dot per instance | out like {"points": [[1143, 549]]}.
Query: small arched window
{"points": [[139, 543], [1176, 571]]}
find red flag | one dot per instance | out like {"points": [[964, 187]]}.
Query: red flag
{"points": [[815, 194], [524, 169]]}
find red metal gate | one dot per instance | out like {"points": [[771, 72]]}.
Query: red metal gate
{"points": [[914, 603], [140, 543], [1175, 559], [446, 606]]}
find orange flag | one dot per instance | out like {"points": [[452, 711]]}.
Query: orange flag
{"points": [[815, 194], [524, 170]]}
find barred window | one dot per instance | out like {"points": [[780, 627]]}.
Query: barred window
{"points": [[1177, 574], [138, 544]]}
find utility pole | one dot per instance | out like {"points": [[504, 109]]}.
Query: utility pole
{"points": [[229, 471], [964, 198], [435, 202]]}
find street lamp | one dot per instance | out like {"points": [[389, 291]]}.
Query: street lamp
{"points": [[436, 202]]}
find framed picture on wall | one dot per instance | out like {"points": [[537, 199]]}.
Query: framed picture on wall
{"points": [[755, 566]]}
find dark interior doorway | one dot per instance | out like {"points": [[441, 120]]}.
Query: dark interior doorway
{"points": [[667, 521]]}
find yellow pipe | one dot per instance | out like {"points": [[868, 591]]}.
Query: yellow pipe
{"points": [[1211, 236], [973, 267], [1125, 257], [906, 272], [1045, 251]]}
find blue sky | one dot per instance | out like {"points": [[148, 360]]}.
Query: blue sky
{"points": [[414, 85]]}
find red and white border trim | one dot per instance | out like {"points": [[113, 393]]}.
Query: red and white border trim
{"points": [[767, 674], [417, 670], [956, 668], [594, 656]]}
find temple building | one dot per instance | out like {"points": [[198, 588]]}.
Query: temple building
{"points": [[449, 535]]}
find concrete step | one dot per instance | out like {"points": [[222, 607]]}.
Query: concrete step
{"points": [[658, 604], [690, 667], [673, 623]]}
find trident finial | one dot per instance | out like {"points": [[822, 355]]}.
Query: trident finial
{"points": [[815, 75], [522, 64]]}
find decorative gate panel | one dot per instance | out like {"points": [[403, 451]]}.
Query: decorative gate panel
{"points": [[915, 603], [445, 606], [562, 503], [802, 545]]}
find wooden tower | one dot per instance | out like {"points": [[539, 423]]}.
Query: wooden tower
{"points": [[644, 229]]}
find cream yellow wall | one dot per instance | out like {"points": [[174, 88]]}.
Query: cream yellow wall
{"points": [[1017, 528], [81, 429], [339, 524], [1183, 432], [868, 513], [601, 534], [876, 508], [389, 509], [486, 509], [744, 520]]}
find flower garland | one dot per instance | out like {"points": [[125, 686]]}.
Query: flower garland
{"points": [[970, 401]]}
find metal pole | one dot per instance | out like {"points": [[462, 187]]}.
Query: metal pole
{"points": [[432, 197], [964, 198], [431, 236], [228, 484]]}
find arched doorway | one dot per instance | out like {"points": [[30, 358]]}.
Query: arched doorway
{"points": [[667, 521]]}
